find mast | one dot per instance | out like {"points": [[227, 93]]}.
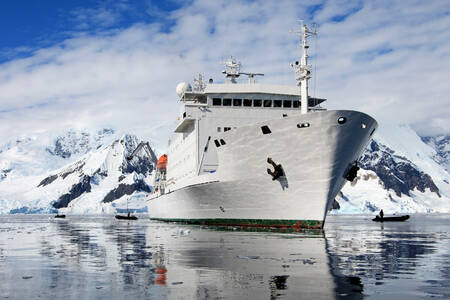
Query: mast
{"points": [[303, 69], [233, 71]]}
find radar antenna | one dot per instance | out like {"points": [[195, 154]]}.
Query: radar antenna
{"points": [[303, 69], [251, 76], [233, 71]]}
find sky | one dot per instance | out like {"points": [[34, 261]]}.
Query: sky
{"points": [[94, 64]]}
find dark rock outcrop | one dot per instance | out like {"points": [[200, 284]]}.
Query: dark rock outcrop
{"points": [[396, 172], [126, 189], [4, 173], [84, 186], [48, 180]]}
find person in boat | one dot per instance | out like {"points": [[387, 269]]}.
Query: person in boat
{"points": [[278, 169], [381, 214], [128, 214]]}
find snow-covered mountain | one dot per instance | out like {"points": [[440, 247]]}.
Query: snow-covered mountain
{"points": [[441, 144], [40, 153], [399, 174], [87, 172], [101, 180]]}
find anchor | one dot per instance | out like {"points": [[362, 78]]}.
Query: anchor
{"points": [[352, 173], [278, 169]]}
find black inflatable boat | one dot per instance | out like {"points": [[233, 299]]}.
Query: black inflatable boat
{"points": [[391, 219]]}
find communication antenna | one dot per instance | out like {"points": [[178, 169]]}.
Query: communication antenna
{"points": [[303, 69], [232, 69], [199, 84]]}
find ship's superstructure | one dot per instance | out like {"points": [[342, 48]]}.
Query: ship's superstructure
{"points": [[255, 154]]}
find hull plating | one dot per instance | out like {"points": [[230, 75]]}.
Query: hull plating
{"points": [[315, 159]]}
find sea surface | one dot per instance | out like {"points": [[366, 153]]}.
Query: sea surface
{"points": [[98, 257]]}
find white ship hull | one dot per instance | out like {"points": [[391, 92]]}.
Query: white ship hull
{"points": [[315, 160]]}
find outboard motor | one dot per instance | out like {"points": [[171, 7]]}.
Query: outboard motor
{"points": [[352, 173]]}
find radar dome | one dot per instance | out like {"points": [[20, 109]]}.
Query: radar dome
{"points": [[183, 87]]}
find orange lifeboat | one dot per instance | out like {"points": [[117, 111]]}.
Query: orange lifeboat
{"points": [[162, 162]]}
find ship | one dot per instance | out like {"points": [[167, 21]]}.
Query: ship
{"points": [[260, 155]]}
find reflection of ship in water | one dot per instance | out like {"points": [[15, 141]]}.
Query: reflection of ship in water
{"points": [[204, 263], [379, 255], [387, 257], [108, 259]]}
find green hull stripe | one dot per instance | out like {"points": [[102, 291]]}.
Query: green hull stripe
{"points": [[310, 224]]}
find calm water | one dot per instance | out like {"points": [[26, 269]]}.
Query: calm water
{"points": [[100, 257]]}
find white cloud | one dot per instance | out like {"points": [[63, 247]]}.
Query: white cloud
{"points": [[389, 59]]}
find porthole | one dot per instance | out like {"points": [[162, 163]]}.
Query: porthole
{"points": [[303, 125], [265, 129], [342, 120]]}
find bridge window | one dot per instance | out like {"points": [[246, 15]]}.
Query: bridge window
{"points": [[201, 99], [225, 129], [276, 103], [217, 101], [226, 102], [267, 103], [222, 142], [218, 129], [247, 102], [217, 143], [295, 104], [287, 103], [237, 102], [257, 103]]}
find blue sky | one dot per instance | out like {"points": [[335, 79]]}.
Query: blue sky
{"points": [[27, 25], [89, 64]]}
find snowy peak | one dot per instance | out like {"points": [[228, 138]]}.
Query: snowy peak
{"points": [[441, 144], [106, 172], [41, 153], [78, 142], [396, 172], [400, 174], [96, 182]]}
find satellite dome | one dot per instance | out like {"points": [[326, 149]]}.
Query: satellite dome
{"points": [[183, 87]]}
